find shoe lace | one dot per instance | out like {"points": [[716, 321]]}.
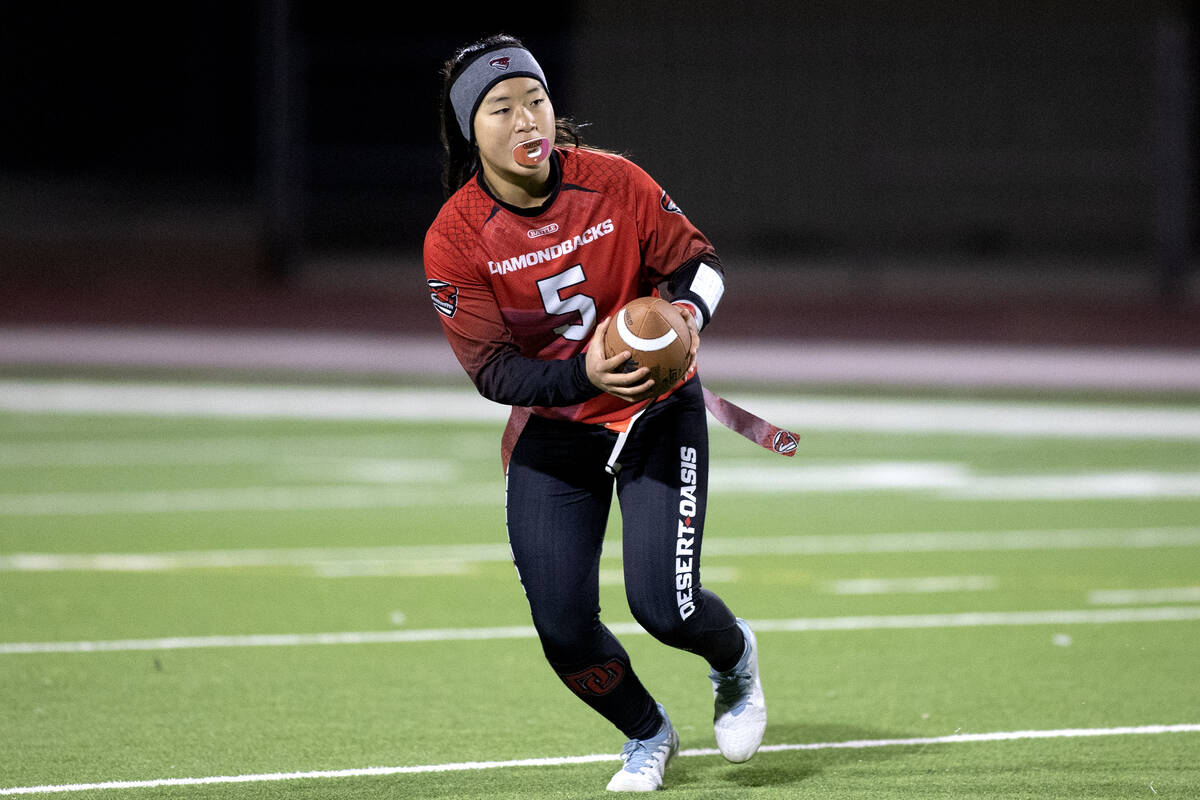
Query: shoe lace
{"points": [[639, 757]]}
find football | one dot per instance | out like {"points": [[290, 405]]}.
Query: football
{"points": [[657, 336]]}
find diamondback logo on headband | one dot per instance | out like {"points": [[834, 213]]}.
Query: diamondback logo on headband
{"points": [[500, 63]]}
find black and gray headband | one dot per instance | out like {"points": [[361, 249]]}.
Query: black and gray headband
{"points": [[482, 74]]}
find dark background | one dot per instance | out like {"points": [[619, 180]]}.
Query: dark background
{"points": [[162, 159]]}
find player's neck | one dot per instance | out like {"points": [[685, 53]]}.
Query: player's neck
{"points": [[520, 191]]}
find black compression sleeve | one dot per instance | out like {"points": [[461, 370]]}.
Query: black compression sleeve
{"points": [[680, 280], [514, 380]]}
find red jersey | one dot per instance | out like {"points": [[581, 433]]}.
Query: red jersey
{"points": [[537, 281]]}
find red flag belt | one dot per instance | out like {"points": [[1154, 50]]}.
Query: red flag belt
{"points": [[737, 419], [754, 428]]}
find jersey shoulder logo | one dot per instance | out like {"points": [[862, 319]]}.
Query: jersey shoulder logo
{"points": [[668, 204], [444, 296]]}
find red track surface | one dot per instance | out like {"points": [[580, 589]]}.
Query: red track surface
{"points": [[753, 308]]}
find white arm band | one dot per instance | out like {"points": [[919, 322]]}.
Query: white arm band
{"points": [[709, 284]]}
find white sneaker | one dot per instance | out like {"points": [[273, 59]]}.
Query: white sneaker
{"points": [[646, 760], [740, 712]]}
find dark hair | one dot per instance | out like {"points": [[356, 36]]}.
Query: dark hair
{"points": [[460, 159]]}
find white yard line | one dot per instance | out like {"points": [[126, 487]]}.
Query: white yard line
{"points": [[725, 546], [241, 401], [392, 569], [139, 450], [957, 541], [240, 498], [1128, 597], [948, 480], [400, 483], [801, 625], [558, 761], [1134, 484], [799, 412], [926, 585], [240, 559]]}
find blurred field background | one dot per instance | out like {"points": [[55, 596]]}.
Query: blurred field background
{"points": [[250, 511]]}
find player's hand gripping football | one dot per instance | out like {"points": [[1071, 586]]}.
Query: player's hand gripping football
{"points": [[608, 374], [694, 329]]}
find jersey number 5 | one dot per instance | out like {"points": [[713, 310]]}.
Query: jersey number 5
{"points": [[554, 303]]}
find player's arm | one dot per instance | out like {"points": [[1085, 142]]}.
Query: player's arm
{"points": [[510, 378], [481, 342], [698, 285], [494, 363], [513, 379], [479, 338]]}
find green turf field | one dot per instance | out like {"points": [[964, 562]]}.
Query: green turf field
{"points": [[976, 609]]}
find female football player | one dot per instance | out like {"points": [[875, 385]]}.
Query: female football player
{"points": [[539, 242]]}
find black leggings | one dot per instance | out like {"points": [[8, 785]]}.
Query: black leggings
{"points": [[558, 499]]}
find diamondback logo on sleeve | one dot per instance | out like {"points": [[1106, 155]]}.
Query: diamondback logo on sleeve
{"points": [[598, 680], [444, 296], [668, 204]]}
